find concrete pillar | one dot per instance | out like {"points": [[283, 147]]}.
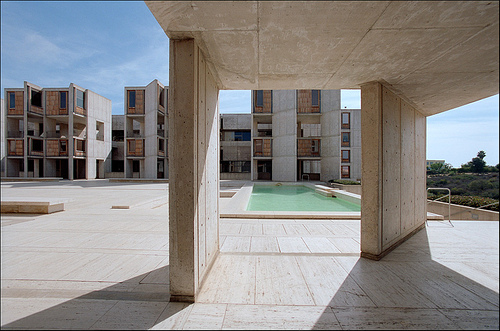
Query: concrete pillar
{"points": [[194, 169], [393, 204], [284, 136]]}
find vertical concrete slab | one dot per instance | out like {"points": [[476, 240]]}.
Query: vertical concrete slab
{"points": [[150, 130], [194, 169], [284, 136], [330, 139], [393, 207]]}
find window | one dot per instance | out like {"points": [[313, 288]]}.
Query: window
{"points": [[162, 97], [346, 156], [346, 121], [242, 136], [80, 99], [136, 166], [62, 145], [315, 98], [63, 100], [346, 171], [99, 130], [80, 145], [12, 100], [131, 99], [259, 98], [37, 145], [36, 98], [346, 139], [315, 146], [161, 145]]}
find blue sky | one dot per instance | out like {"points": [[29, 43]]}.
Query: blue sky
{"points": [[104, 46]]}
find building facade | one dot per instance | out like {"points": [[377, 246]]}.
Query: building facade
{"points": [[146, 131], [235, 146], [56, 132], [304, 135]]}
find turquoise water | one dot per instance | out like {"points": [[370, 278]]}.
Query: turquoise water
{"points": [[295, 198]]}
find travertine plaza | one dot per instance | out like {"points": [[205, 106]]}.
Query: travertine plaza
{"points": [[123, 255]]}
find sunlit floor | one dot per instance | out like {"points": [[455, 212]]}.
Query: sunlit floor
{"points": [[93, 267]]}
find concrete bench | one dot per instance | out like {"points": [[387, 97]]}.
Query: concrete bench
{"points": [[26, 205]]}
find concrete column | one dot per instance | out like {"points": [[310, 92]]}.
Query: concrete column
{"points": [[393, 204], [194, 169], [284, 136]]}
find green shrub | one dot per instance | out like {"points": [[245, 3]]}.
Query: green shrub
{"points": [[344, 182]]}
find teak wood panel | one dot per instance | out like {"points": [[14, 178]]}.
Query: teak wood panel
{"points": [[52, 104], [19, 106], [267, 102], [304, 102]]}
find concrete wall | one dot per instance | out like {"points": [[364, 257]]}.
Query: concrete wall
{"points": [[355, 144], [330, 135], [3, 137], [150, 126], [236, 121], [98, 109], [393, 170], [284, 136], [194, 165], [235, 175], [459, 212]]}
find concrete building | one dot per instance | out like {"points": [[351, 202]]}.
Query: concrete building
{"points": [[235, 146], [428, 163], [3, 143], [410, 59], [57, 132], [304, 135], [146, 131]]}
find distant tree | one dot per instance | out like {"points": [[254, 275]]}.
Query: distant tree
{"points": [[477, 164]]}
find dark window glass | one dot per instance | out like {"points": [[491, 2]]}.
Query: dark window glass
{"points": [[315, 97], [36, 98], [62, 99], [259, 102], [12, 100], [37, 145], [131, 99], [345, 137], [80, 99], [136, 166], [162, 97]]}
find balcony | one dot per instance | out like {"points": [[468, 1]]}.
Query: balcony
{"points": [[36, 110], [15, 147], [79, 147], [57, 147], [15, 134], [308, 147], [135, 147], [263, 147], [35, 147]]}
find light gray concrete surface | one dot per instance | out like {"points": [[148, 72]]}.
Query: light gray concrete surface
{"points": [[93, 267]]}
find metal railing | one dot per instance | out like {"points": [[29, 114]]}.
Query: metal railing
{"points": [[444, 196]]}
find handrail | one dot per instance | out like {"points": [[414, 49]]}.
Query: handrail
{"points": [[449, 200]]}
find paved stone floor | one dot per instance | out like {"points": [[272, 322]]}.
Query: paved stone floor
{"points": [[93, 267]]}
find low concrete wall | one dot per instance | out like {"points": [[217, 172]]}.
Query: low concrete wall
{"points": [[235, 175], [356, 189], [461, 212], [114, 175]]}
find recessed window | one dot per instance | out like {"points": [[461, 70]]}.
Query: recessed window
{"points": [[80, 99], [36, 98], [131, 99], [346, 171], [99, 133], [12, 100], [162, 97], [259, 98], [62, 145], [315, 146], [346, 121], [346, 156], [346, 139], [315, 97], [63, 99]]}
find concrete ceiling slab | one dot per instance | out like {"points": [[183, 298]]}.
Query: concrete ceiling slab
{"points": [[438, 54]]}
